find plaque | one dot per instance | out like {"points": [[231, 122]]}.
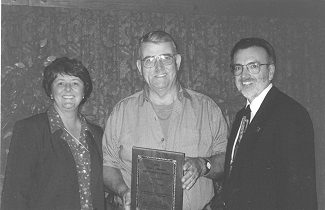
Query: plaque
{"points": [[156, 179]]}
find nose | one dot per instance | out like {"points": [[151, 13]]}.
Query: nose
{"points": [[245, 71], [159, 68], [68, 87]]}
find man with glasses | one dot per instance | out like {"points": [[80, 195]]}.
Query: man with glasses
{"points": [[165, 116], [270, 159]]}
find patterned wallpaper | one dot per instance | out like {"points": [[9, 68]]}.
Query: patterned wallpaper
{"points": [[106, 42]]}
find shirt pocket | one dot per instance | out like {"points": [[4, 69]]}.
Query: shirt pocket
{"points": [[188, 141]]}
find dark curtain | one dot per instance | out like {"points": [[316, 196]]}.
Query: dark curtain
{"points": [[106, 42]]}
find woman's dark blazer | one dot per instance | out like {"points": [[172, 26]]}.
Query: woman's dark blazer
{"points": [[274, 166], [41, 172]]}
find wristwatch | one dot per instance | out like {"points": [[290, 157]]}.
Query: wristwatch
{"points": [[207, 166]]}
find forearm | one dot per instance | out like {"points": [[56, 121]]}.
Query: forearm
{"points": [[195, 168], [217, 166], [114, 181]]}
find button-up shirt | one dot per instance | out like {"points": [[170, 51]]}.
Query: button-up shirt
{"points": [[256, 103], [79, 150], [197, 128]]}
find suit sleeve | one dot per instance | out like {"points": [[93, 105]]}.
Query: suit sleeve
{"points": [[296, 171], [21, 165]]}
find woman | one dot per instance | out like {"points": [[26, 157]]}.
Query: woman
{"points": [[55, 158]]}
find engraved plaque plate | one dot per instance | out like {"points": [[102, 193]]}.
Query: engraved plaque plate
{"points": [[156, 179]]}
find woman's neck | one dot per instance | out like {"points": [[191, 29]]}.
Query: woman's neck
{"points": [[70, 120]]}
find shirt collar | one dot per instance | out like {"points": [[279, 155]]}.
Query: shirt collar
{"points": [[181, 93], [256, 103], [56, 122]]}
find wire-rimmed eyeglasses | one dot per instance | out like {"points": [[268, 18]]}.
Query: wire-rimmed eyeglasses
{"points": [[151, 61], [254, 68]]}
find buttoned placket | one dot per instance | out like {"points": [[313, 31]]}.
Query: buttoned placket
{"points": [[161, 137], [172, 125]]}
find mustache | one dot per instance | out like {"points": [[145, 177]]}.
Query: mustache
{"points": [[159, 72]]}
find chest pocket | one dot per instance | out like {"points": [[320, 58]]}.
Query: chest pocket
{"points": [[188, 141]]}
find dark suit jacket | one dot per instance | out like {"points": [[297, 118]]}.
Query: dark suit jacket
{"points": [[274, 166], [41, 172]]}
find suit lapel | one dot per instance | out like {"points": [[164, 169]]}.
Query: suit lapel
{"points": [[62, 149], [265, 111]]}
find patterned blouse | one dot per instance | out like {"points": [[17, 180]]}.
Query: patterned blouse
{"points": [[79, 150]]}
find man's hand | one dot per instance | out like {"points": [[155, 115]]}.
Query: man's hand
{"points": [[127, 199], [114, 181], [193, 168]]}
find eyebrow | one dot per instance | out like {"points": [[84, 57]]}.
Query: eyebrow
{"points": [[247, 63], [156, 55]]}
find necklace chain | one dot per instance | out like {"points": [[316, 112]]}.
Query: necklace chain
{"points": [[77, 141]]}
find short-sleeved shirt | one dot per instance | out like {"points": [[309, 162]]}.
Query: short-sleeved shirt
{"points": [[196, 128]]}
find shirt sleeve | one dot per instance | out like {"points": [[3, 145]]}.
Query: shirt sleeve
{"points": [[110, 141], [219, 129]]}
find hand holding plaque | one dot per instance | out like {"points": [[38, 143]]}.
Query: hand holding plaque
{"points": [[193, 169]]}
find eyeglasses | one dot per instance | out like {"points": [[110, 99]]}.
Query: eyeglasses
{"points": [[165, 59], [253, 68]]}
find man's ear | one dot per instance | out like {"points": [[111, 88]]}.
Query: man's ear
{"points": [[271, 71], [178, 61], [139, 66]]}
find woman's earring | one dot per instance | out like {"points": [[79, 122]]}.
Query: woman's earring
{"points": [[51, 97]]}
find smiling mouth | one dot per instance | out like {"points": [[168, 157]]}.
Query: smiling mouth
{"points": [[68, 97], [161, 75], [247, 83]]}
